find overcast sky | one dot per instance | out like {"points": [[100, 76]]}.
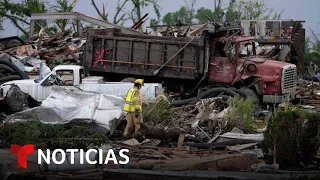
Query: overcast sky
{"points": [[307, 10]]}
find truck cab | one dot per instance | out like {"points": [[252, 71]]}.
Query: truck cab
{"points": [[234, 62]]}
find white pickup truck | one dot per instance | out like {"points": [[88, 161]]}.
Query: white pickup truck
{"points": [[72, 77]]}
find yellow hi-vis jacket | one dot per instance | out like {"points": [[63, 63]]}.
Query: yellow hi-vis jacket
{"points": [[133, 101]]}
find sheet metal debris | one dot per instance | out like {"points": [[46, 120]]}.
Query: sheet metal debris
{"points": [[64, 106]]}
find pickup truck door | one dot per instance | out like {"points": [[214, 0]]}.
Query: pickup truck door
{"points": [[44, 89]]}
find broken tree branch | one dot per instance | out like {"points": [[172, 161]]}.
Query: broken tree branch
{"points": [[98, 11], [14, 21], [17, 18], [119, 9]]}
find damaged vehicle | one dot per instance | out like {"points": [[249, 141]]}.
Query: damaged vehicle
{"points": [[193, 68], [72, 77]]}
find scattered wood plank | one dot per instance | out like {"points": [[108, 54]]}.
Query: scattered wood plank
{"points": [[256, 137], [180, 142]]}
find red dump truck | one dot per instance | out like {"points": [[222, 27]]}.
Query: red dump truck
{"points": [[192, 67]]}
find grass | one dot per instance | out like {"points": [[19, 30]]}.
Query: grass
{"points": [[158, 112], [50, 136], [240, 114]]}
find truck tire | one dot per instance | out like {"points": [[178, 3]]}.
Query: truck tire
{"points": [[212, 93], [2, 75], [9, 78], [128, 79], [182, 102], [22, 74], [252, 94], [7, 68], [239, 91], [13, 43]]}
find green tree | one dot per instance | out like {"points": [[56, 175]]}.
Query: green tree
{"points": [[251, 9], [140, 4], [184, 15], [190, 6], [63, 6], [178, 17], [103, 15], [203, 13], [154, 22], [18, 13], [312, 49], [135, 13], [169, 18]]}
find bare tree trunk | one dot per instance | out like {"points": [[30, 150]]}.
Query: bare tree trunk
{"points": [[137, 5], [190, 7]]}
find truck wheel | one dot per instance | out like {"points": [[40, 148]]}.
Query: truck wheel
{"points": [[128, 79], [13, 43], [251, 94]]}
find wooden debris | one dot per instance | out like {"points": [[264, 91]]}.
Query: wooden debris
{"points": [[180, 141]]}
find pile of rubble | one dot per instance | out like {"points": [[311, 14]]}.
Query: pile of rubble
{"points": [[213, 134], [60, 48], [178, 31], [209, 131], [308, 95]]}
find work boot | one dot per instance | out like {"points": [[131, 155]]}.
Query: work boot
{"points": [[128, 136], [139, 137]]}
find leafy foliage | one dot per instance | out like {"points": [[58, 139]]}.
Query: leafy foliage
{"points": [[236, 10], [294, 133], [179, 17], [154, 22], [135, 13], [251, 9], [240, 114], [50, 136], [20, 12], [203, 13], [159, 111], [63, 6], [312, 49]]}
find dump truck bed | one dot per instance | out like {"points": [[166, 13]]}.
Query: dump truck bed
{"points": [[111, 51]]}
